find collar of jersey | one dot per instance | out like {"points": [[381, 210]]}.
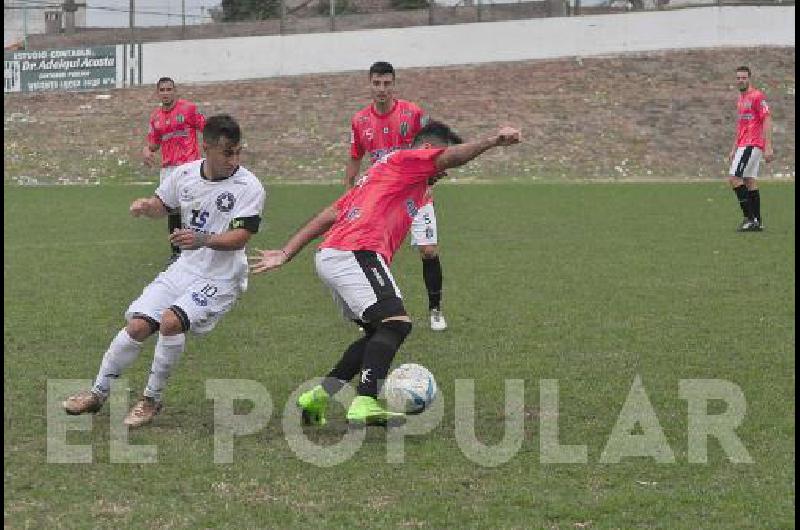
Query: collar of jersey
{"points": [[375, 111], [174, 105]]}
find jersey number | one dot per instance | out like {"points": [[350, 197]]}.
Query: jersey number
{"points": [[199, 218]]}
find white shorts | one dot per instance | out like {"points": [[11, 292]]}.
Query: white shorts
{"points": [[361, 283], [745, 162], [198, 302], [423, 227]]}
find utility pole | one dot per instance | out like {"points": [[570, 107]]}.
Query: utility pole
{"points": [[24, 26], [69, 8], [132, 14], [183, 17]]}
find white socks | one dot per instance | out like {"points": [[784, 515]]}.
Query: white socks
{"points": [[122, 351], [168, 352]]}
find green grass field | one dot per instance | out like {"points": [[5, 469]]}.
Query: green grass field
{"points": [[584, 283]]}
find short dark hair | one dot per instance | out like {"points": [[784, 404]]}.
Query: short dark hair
{"points": [[745, 69], [165, 80], [436, 130], [381, 68], [219, 126]]}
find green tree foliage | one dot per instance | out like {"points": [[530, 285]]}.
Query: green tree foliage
{"points": [[235, 10]]}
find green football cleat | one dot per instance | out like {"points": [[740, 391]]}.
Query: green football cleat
{"points": [[313, 404], [366, 410]]}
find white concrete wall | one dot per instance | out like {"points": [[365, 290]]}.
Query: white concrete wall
{"points": [[257, 57]]}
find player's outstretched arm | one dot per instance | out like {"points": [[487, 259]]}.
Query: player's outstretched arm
{"points": [[266, 260], [151, 207], [457, 155], [149, 154]]}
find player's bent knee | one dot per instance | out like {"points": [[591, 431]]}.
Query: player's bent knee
{"points": [[174, 321], [399, 329], [367, 327], [429, 251], [140, 327], [385, 309]]}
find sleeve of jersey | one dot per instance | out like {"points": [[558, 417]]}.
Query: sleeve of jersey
{"points": [[166, 191], [422, 119], [417, 165], [343, 202], [198, 119], [763, 108], [248, 214], [356, 151], [152, 137]]}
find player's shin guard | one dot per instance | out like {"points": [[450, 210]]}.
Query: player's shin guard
{"points": [[741, 196], [432, 273], [168, 353], [121, 353], [754, 203], [173, 223], [379, 353]]}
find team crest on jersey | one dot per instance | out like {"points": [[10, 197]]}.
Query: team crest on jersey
{"points": [[180, 118], [404, 128], [225, 201], [386, 130], [186, 195], [353, 213], [379, 154]]}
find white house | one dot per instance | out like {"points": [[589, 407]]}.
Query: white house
{"points": [[23, 17]]}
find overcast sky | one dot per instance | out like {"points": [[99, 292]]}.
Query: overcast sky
{"points": [[114, 13]]}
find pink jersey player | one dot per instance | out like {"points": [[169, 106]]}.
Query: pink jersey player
{"points": [[376, 134], [752, 109], [174, 130], [377, 213], [363, 229], [753, 141], [387, 124]]}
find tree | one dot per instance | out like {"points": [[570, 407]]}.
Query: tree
{"points": [[236, 10]]}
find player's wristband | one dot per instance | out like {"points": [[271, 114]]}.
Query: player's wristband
{"points": [[201, 239]]}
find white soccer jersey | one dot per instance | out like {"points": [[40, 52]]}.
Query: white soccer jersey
{"points": [[213, 207]]}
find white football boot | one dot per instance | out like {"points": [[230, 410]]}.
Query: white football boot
{"points": [[438, 322]]}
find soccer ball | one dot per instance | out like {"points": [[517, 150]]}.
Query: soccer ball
{"points": [[410, 388]]}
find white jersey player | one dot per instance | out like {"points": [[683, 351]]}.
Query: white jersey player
{"points": [[221, 205]]}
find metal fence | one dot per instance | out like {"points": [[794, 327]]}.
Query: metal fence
{"points": [[313, 16]]}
